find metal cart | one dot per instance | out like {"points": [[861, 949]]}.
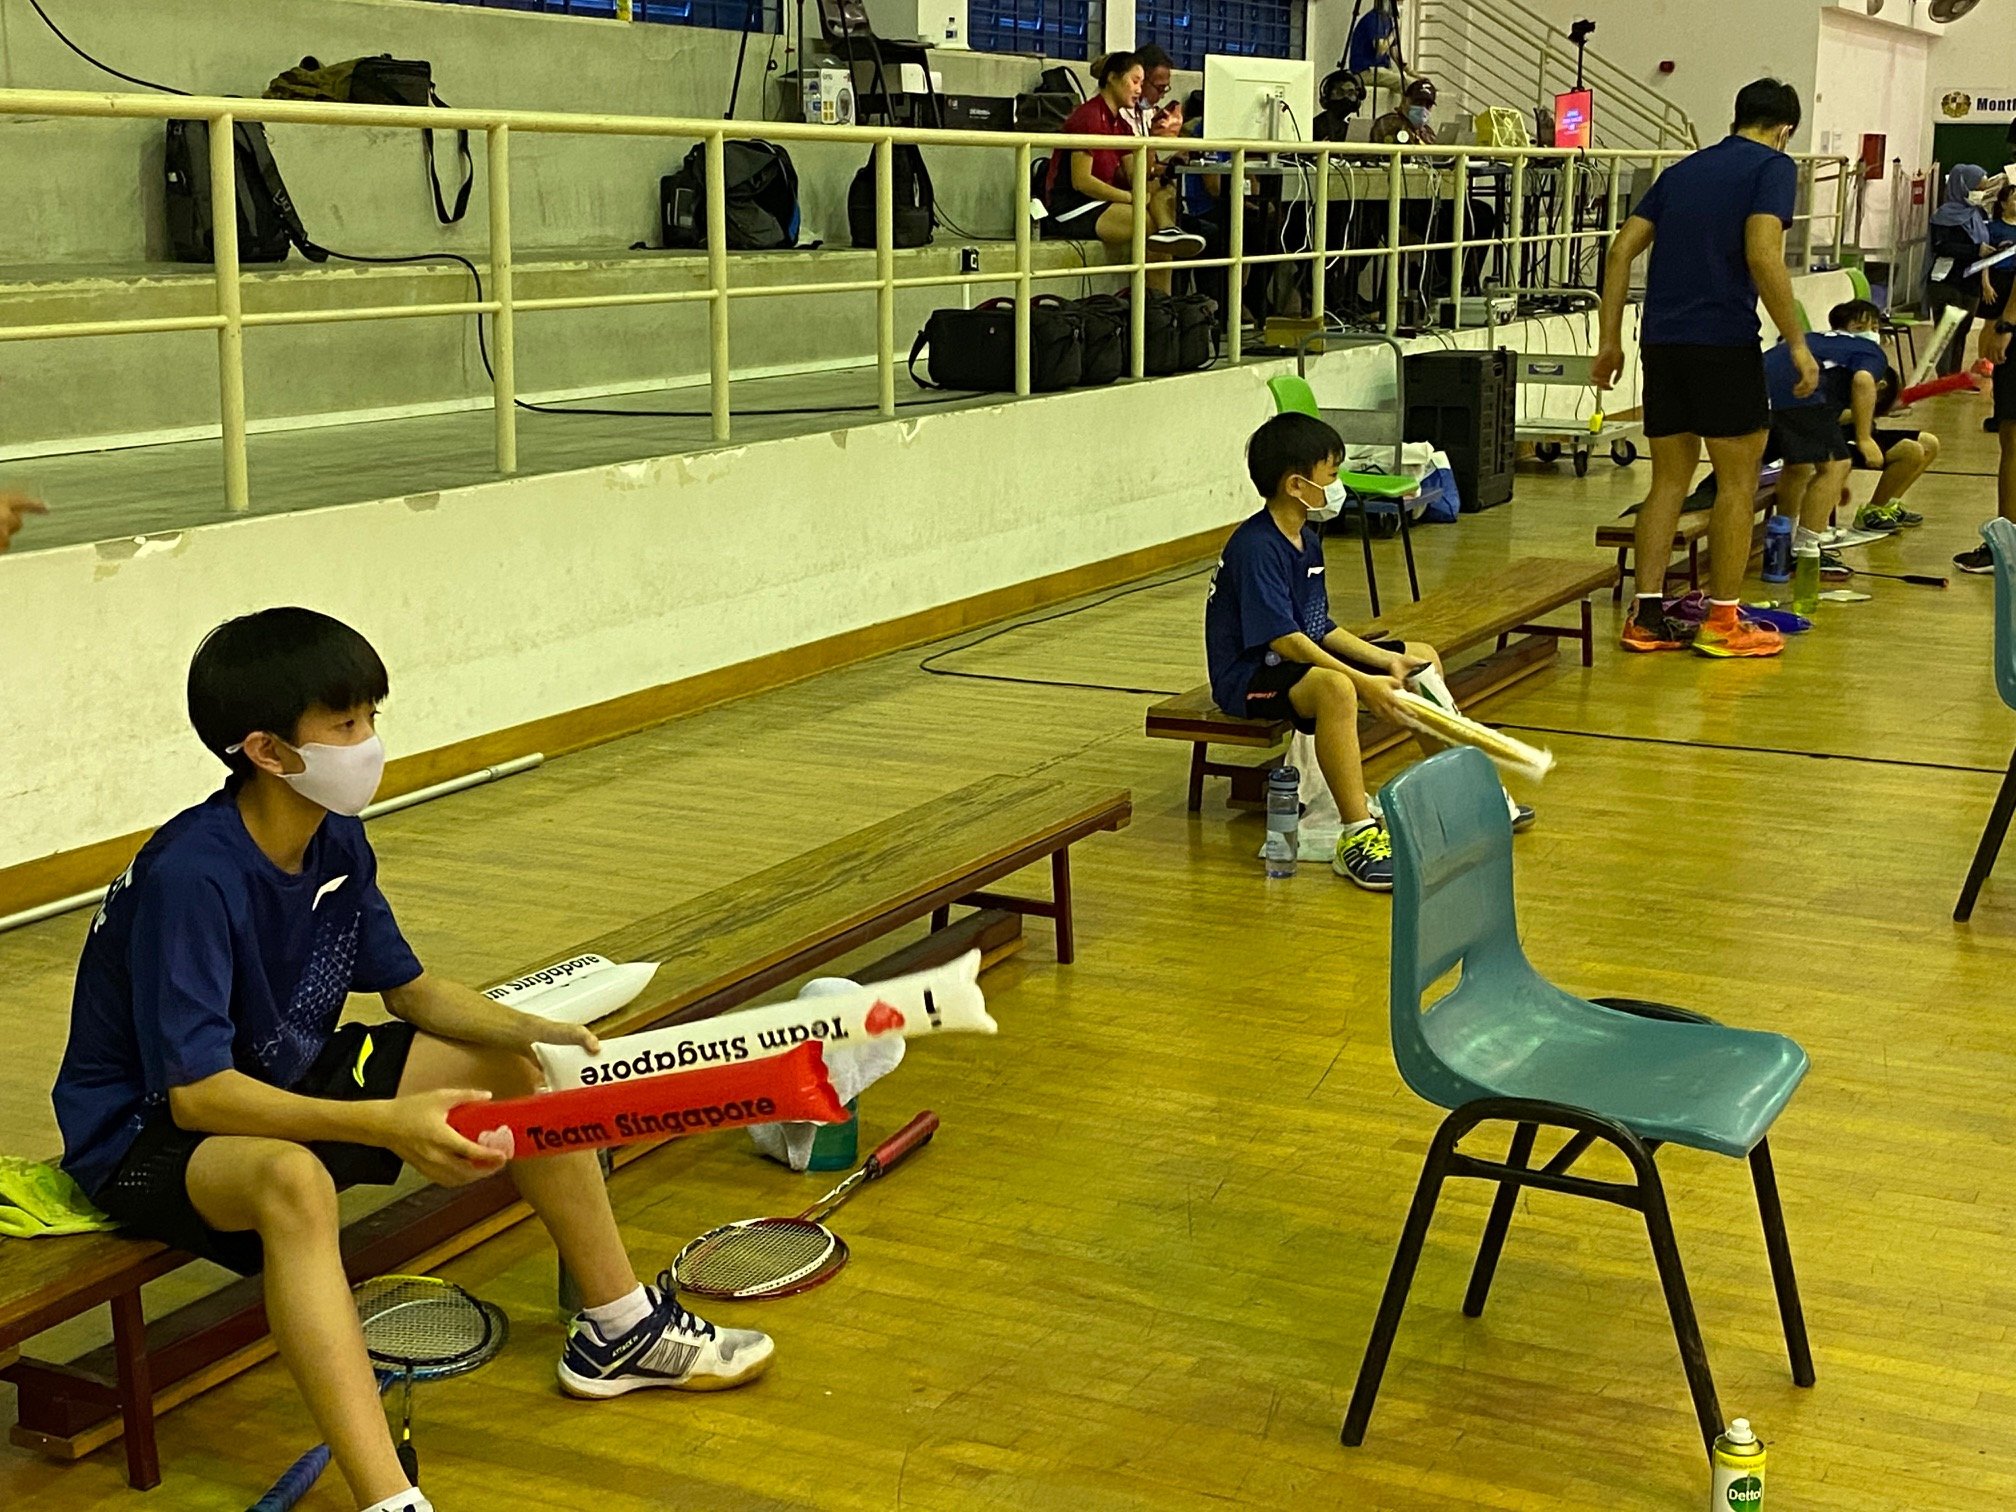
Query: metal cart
{"points": [[1552, 437]]}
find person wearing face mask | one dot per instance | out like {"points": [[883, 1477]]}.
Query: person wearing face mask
{"points": [[1274, 651], [1806, 430], [1715, 225], [1410, 120], [1090, 192], [208, 1098], [1959, 238], [1900, 454]]}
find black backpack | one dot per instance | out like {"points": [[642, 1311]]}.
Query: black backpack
{"points": [[1107, 330], [267, 221], [383, 80], [975, 349], [915, 202], [762, 191]]}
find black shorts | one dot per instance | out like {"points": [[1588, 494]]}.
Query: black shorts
{"points": [[2005, 393], [1810, 434], [148, 1192], [1072, 216], [1267, 695], [1704, 391]]}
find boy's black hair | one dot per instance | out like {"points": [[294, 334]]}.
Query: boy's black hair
{"points": [[264, 671], [1767, 103], [1289, 446], [1849, 311], [1152, 57]]}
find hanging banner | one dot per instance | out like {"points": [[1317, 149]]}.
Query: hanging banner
{"points": [[1987, 107]]}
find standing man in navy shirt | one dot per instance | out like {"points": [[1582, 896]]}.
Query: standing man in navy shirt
{"points": [[1715, 225]]}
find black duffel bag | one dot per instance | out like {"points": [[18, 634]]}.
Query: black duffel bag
{"points": [[1164, 350], [1196, 331], [1106, 338], [974, 349]]}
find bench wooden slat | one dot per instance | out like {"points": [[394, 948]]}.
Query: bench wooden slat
{"points": [[1480, 609]]}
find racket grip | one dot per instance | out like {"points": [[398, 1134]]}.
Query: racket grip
{"points": [[905, 1142], [296, 1483], [1926, 579]]}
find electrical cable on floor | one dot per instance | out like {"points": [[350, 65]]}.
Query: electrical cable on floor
{"points": [[1753, 750], [998, 631]]}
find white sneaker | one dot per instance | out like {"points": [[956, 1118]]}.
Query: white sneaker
{"points": [[1182, 243], [672, 1347]]}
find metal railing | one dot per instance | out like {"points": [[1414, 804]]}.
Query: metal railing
{"points": [[1583, 178], [1502, 52]]}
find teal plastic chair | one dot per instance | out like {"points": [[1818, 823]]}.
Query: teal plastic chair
{"points": [[1505, 1046], [2001, 538], [1293, 396]]}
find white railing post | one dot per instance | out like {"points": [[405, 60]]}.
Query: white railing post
{"points": [[1395, 260], [1233, 200], [1138, 279], [1319, 286], [1841, 187], [885, 274], [231, 334], [1023, 284], [1515, 226], [717, 277], [1460, 207], [1806, 226], [503, 342]]}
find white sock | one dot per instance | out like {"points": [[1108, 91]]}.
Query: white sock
{"points": [[1352, 826], [409, 1500], [614, 1319]]}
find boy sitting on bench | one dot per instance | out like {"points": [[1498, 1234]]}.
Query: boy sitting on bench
{"points": [[1808, 435], [208, 1098], [1906, 454], [1275, 653]]}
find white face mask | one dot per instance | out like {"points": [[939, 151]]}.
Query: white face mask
{"points": [[1334, 494], [1875, 336], [342, 778]]}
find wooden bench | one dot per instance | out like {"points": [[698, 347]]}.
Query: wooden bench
{"points": [[717, 951], [1621, 535], [1455, 619]]}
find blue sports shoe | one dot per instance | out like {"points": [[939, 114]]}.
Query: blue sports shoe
{"points": [[672, 1347]]}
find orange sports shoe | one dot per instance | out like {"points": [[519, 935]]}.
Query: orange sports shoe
{"points": [[1726, 633], [1659, 635]]}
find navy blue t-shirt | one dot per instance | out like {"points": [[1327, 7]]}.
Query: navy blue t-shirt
{"points": [[1840, 356], [1374, 27], [206, 957], [1265, 587], [1698, 290]]}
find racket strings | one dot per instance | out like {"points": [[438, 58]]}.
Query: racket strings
{"points": [[755, 1257], [426, 1326]]}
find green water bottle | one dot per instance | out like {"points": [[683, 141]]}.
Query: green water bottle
{"points": [[1805, 572]]}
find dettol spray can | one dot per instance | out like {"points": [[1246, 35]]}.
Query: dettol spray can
{"points": [[1739, 1470]]}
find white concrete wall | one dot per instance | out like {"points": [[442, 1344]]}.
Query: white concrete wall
{"points": [[90, 192], [516, 600], [1976, 55], [1873, 78]]}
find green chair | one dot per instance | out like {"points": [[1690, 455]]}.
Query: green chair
{"points": [[1898, 331], [2001, 538], [1507, 1047], [1293, 396]]}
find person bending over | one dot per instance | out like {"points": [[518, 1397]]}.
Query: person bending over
{"points": [[1275, 652], [1715, 225], [208, 1098], [1905, 455], [1807, 434], [1091, 191]]}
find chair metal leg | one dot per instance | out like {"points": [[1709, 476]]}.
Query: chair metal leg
{"points": [[1371, 572], [1679, 1302], [1782, 1279], [1495, 1226], [1990, 846], [1407, 548], [1060, 897], [1420, 1213]]}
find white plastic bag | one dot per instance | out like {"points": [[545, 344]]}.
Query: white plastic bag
{"points": [[851, 1069]]}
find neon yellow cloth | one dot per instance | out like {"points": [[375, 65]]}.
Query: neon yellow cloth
{"points": [[37, 1199]]}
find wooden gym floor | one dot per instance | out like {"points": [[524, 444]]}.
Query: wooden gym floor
{"points": [[1138, 1266]]}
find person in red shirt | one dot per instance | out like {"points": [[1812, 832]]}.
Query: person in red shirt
{"points": [[1091, 191]]}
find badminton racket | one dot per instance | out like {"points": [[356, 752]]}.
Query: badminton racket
{"points": [[416, 1328], [781, 1257], [1924, 579], [1451, 728]]}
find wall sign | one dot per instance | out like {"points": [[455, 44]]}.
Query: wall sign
{"points": [[1987, 107]]}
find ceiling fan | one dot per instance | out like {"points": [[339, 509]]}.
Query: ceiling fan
{"points": [[1945, 11]]}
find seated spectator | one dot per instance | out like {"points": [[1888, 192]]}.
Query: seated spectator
{"points": [[1906, 454], [1807, 434], [13, 505], [1341, 98], [1205, 211], [1091, 191], [1410, 120], [1155, 114]]}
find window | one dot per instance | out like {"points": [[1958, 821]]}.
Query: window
{"points": [[1050, 28], [725, 15], [1189, 29]]}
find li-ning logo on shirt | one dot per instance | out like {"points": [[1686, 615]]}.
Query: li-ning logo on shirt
{"points": [[1316, 571], [327, 888]]}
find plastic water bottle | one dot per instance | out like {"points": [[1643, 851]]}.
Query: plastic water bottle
{"points": [[1739, 1470], [1806, 576], [1777, 549], [1284, 821]]}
